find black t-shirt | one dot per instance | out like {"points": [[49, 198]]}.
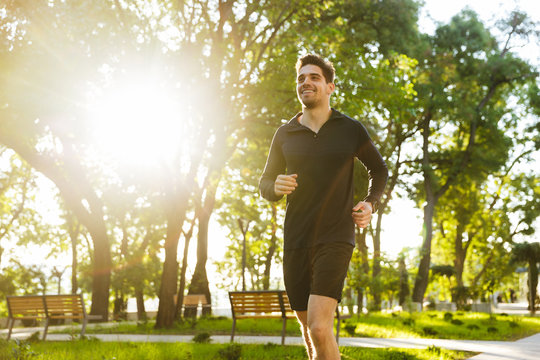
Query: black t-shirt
{"points": [[320, 208]]}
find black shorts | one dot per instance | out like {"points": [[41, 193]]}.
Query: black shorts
{"points": [[319, 270]]}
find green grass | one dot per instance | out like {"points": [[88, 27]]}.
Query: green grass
{"points": [[96, 350], [432, 324]]}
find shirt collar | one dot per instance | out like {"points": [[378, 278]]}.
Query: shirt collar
{"points": [[294, 125]]}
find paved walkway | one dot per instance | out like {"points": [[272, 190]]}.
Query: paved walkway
{"points": [[524, 349]]}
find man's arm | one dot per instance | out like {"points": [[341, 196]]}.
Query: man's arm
{"points": [[275, 165], [377, 172], [378, 175]]}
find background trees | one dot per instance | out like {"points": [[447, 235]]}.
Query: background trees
{"points": [[150, 117]]}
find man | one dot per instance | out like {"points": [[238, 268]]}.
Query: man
{"points": [[311, 160]]}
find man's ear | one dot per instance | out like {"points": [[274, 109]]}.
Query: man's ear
{"points": [[330, 87]]}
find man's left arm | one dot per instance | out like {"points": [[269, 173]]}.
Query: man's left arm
{"points": [[378, 175]]}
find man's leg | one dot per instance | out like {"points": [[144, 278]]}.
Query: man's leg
{"points": [[302, 319], [320, 319]]}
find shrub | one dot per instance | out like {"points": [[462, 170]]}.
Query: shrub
{"points": [[398, 355], [202, 338], [231, 352], [473, 327], [428, 330], [456, 322], [513, 324], [408, 322], [448, 316], [434, 349], [492, 329], [350, 329]]}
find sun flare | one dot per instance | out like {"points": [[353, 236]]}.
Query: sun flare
{"points": [[141, 123]]}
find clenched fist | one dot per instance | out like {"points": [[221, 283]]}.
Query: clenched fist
{"points": [[285, 184], [362, 213]]}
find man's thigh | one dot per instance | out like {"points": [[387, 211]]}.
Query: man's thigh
{"points": [[329, 265], [320, 270]]}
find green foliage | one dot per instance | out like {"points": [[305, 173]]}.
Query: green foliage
{"points": [[429, 331], [231, 352], [202, 338]]}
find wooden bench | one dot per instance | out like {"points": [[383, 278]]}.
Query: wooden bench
{"points": [[48, 307], [192, 301], [30, 307], [266, 304]]}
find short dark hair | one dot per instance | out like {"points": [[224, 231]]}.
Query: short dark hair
{"points": [[312, 59]]}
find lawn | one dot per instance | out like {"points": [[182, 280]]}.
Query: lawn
{"points": [[431, 324], [96, 350]]}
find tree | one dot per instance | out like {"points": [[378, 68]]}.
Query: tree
{"points": [[404, 287], [44, 95], [462, 92], [529, 253]]}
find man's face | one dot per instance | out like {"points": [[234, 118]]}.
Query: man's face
{"points": [[311, 86]]}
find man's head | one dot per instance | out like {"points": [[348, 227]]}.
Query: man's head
{"points": [[327, 67], [314, 81]]}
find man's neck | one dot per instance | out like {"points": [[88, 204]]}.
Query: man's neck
{"points": [[315, 118]]}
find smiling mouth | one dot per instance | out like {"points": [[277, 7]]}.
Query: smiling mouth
{"points": [[307, 92]]}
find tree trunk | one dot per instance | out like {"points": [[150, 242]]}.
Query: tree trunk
{"points": [[271, 249], [422, 277], [101, 275], [404, 290], [199, 281], [141, 311], [73, 230], [533, 284], [362, 247], [182, 285], [376, 281], [166, 308]]}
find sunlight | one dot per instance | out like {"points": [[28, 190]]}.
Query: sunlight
{"points": [[141, 123]]}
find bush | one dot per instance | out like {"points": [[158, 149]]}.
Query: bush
{"points": [[434, 349], [473, 327], [350, 329], [448, 316], [202, 338], [513, 324], [456, 322], [492, 329], [231, 352], [428, 330], [408, 322], [399, 356]]}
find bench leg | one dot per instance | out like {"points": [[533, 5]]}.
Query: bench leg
{"points": [[10, 325], [233, 329], [46, 328], [283, 330]]}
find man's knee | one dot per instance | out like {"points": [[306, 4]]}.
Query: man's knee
{"points": [[319, 330]]}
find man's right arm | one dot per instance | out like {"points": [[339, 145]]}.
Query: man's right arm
{"points": [[275, 165]]}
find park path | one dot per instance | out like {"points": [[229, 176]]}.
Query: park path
{"points": [[524, 349]]}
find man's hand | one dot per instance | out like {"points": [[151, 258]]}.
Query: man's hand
{"points": [[285, 184], [362, 214]]}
